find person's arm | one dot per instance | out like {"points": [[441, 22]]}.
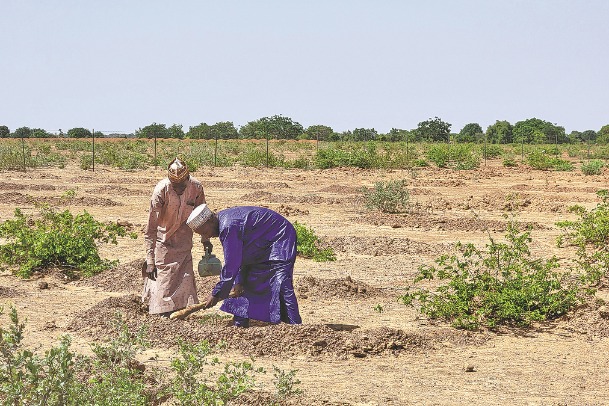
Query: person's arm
{"points": [[150, 235], [233, 256]]}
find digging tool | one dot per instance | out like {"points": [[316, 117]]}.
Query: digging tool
{"points": [[181, 314]]}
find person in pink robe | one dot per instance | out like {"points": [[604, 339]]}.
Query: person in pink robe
{"points": [[169, 282]]}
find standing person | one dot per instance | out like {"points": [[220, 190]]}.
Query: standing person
{"points": [[169, 283], [259, 254]]}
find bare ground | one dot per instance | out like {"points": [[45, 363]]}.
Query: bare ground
{"points": [[357, 344]]}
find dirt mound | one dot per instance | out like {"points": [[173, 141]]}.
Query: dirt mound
{"points": [[14, 186], [20, 199], [341, 189], [116, 190], [377, 246], [591, 319], [310, 286], [285, 199], [519, 201], [288, 211], [262, 339], [8, 292], [245, 185], [432, 221]]}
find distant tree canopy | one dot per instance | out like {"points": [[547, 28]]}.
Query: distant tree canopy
{"points": [[318, 132], [160, 131], [603, 135], [500, 133], [222, 130], [275, 127], [472, 132], [536, 131], [433, 129], [4, 131], [79, 132]]}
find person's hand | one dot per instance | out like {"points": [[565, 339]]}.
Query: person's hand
{"points": [[236, 291], [150, 272], [210, 301], [208, 246]]}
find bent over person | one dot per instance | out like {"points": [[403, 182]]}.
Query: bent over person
{"points": [[169, 283], [256, 281]]}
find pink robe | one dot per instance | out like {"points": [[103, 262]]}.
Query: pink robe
{"points": [[169, 246]]}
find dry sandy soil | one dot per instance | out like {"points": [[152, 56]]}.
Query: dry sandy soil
{"points": [[346, 352]]}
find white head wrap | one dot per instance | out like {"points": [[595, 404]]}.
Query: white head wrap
{"points": [[199, 216]]}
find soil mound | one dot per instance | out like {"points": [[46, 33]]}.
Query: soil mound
{"points": [[19, 199], [262, 339], [286, 199], [14, 186], [341, 189], [245, 185], [432, 221], [377, 246], [8, 292], [310, 286]]}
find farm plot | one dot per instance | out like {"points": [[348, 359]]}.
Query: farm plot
{"points": [[358, 345]]}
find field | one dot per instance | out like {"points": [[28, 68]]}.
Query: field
{"points": [[357, 345]]}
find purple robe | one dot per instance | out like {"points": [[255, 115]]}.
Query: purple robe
{"points": [[259, 253]]}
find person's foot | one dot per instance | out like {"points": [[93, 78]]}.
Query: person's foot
{"points": [[165, 315], [241, 321]]}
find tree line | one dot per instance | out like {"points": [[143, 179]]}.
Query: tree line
{"points": [[278, 127]]}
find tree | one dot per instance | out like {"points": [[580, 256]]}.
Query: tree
{"points": [[277, 127], [603, 135], [364, 134], [280, 127], [472, 132], [39, 133], [175, 131], [79, 132], [153, 130], [393, 135], [22, 132], [499, 133], [433, 130], [4, 131], [199, 132], [319, 132], [224, 130], [534, 130]]}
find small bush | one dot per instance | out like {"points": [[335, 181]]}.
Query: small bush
{"points": [[309, 245], [388, 197], [593, 167], [499, 285], [590, 234], [285, 383], [56, 240], [509, 162]]}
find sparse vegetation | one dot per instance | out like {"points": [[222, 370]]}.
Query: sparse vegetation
{"points": [[56, 239], [499, 285], [388, 197], [309, 245]]}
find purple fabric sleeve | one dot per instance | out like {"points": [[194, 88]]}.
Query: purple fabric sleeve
{"points": [[233, 255]]}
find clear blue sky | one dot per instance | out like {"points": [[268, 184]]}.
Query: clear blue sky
{"points": [[119, 65]]}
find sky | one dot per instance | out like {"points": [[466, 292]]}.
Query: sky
{"points": [[117, 66]]}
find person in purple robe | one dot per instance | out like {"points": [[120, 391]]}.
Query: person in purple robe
{"points": [[259, 246]]}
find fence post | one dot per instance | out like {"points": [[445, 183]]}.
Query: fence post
{"points": [[93, 137], [216, 151], [267, 149], [23, 149]]}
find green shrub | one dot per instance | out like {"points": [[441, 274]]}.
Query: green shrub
{"points": [[285, 383], [56, 240], [499, 285], [190, 387], [542, 161], [439, 155], [509, 162], [590, 234], [388, 197], [593, 167], [493, 151], [562, 165], [27, 379], [309, 245]]}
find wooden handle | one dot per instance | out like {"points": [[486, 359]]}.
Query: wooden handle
{"points": [[181, 314]]}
